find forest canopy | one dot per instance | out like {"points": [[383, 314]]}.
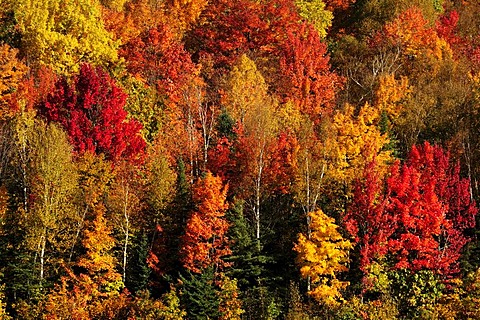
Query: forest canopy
{"points": [[239, 159]]}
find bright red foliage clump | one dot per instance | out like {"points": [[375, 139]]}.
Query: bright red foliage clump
{"points": [[90, 108], [418, 218]]}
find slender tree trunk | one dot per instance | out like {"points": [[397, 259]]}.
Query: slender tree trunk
{"points": [[258, 184], [125, 250], [127, 233], [42, 254], [23, 157], [307, 211]]}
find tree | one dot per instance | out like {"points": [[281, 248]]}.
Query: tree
{"points": [[256, 132], [95, 176], [64, 34], [95, 291], [184, 14], [246, 89], [168, 308], [230, 306], [200, 294], [205, 242], [419, 220], [98, 263], [54, 186], [145, 106], [228, 29], [170, 221], [315, 13], [307, 79], [322, 256], [353, 142], [91, 111], [3, 312], [160, 60], [91, 286], [138, 272], [248, 263], [12, 71], [125, 204], [365, 219]]}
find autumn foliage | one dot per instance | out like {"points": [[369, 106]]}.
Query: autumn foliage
{"points": [[91, 111], [205, 241], [321, 256], [239, 159], [419, 217]]}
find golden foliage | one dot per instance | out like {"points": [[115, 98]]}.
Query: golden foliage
{"points": [[322, 256], [314, 11], [390, 95], [355, 141], [230, 303], [247, 90], [11, 73], [63, 34]]}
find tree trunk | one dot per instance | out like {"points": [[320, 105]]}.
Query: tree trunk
{"points": [[43, 241], [258, 184], [127, 234]]}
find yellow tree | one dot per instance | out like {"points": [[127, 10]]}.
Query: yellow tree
{"points": [[63, 33], [94, 293], [314, 11], [54, 184], [182, 14], [322, 256], [3, 312], [230, 304], [247, 89], [354, 141], [98, 262], [391, 95], [95, 176]]}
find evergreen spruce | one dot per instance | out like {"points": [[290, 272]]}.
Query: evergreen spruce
{"points": [[199, 295], [139, 272]]}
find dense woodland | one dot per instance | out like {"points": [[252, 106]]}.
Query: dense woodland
{"points": [[239, 159]]}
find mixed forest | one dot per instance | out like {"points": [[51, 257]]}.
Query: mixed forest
{"points": [[239, 159]]}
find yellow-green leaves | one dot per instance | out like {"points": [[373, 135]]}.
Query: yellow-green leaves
{"points": [[355, 141], [321, 256], [314, 11], [247, 89], [64, 33]]}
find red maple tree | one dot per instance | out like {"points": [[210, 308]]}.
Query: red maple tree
{"points": [[90, 108], [418, 217]]}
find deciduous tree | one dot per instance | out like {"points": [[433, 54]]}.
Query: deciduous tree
{"points": [[421, 218], [53, 190], [307, 79], [64, 34], [12, 72], [322, 256], [205, 242], [91, 111]]}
